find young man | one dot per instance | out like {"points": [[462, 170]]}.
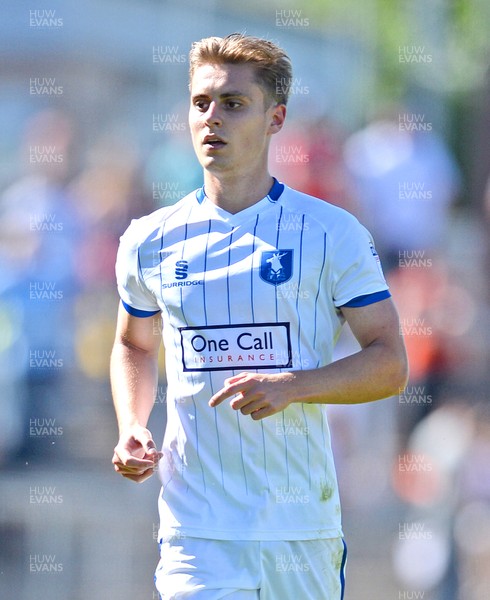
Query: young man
{"points": [[252, 281]]}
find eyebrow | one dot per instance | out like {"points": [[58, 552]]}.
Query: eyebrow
{"points": [[224, 95]]}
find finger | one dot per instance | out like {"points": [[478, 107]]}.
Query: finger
{"points": [[235, 379], [122, 470], [153, 454], [243, 400], [148, 444], [139, 478], [156, 456], [135, 468], [252, 407], [218, 398], [135, 474], [232, 389], [124, 458], [261, 413]]}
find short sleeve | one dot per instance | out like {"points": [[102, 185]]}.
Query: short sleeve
{"points": [[135, 296], [357, 275]]}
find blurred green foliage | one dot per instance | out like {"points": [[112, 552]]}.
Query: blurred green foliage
{"points": [[454, 32]]}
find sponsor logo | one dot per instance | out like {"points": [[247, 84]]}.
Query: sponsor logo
{"points": [[376, 258], [181, 267], [276, 266], [245, 346], [181, 273]]}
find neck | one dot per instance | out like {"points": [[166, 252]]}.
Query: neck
{"points": [[236, 194]]}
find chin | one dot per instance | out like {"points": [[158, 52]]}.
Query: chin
{"points": [[212, 165]]}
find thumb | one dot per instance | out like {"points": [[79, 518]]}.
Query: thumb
{"points": [[149, 446], [151, 449], [144, 438]]}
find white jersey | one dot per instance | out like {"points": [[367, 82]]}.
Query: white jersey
{"points": [[259, 290]]}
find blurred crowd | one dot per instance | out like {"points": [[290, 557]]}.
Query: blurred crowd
{"points": [[61, 216], [428, 452]]}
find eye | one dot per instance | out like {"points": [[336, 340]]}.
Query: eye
{"points": [[201, 104], [233, 104]]}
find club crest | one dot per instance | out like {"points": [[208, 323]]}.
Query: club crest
{"points": [[276, 266]]}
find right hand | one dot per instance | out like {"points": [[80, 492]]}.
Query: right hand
{"points": [[136, 456]]}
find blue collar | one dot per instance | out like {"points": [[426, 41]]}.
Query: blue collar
{"points": [[273, 195]]}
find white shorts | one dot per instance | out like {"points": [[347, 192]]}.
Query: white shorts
{"points": [[243, 570]]}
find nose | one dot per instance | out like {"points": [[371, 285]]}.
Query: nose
{"points": [[213, 116]]}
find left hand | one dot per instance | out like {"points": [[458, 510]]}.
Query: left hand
{"points": [[257, 395], [135, 456]]}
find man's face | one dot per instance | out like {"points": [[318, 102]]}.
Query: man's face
{"points": [[231, 120]]}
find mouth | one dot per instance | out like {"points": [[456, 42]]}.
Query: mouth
{"points": [[214, 142]]}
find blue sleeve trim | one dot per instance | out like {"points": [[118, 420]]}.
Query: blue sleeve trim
{"points": [[367, 299], [135, 312]]}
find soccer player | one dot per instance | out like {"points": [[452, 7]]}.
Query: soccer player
{"points": [[251, 281]]}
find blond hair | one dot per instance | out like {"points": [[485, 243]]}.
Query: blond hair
{"points": [[272, 65]]}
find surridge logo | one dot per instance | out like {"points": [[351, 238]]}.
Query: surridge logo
{"points": [[181, 273], [181, 268], [276, 266]]}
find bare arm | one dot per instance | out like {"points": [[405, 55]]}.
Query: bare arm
{"points": [[134, 375], [377, 371]]}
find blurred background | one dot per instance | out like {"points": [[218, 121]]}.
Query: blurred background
{"points": [[390, 118]]}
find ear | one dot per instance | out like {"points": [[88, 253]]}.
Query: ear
{"points": [[278, 116]]}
